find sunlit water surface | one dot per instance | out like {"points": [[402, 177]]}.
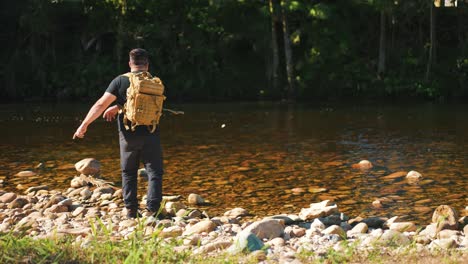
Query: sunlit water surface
{"points": [[255, 156]]}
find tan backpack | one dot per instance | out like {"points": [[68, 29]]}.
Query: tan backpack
{"points": [[144, 101]]}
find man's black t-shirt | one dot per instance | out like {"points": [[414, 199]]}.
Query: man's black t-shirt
{"points": [[118, 87]]}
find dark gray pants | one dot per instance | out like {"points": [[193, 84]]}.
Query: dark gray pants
{"points": [[146, 148]]}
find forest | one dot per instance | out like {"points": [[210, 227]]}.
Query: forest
{"points": [[238, 50]]}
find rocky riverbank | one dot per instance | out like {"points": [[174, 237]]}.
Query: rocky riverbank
{"points": [[42, 213]]}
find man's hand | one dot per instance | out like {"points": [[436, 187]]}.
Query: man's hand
{"points": [[110, 113], [96, 110], [80, 131]]}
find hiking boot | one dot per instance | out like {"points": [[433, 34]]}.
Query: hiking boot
{"points": [[157, 215], [133, 213]]}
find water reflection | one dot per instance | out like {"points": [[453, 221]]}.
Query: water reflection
{"points": [[263, 152]]}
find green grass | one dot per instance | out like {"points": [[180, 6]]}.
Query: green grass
{"points": [[389, 252], [99, 247], [96, 250]]}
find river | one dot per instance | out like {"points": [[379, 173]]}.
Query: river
{"points": [[268, 158]]}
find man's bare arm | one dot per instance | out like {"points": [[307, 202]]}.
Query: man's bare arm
{"points": [[95, 111]]}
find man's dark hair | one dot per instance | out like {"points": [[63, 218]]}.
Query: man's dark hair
{"points": [[139, 56]]}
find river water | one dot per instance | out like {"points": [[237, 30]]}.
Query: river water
{"points": [[267, 158]]}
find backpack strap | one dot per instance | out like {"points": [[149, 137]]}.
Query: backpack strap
{"points": [[125, 122], [152, 127], [123, 110]]}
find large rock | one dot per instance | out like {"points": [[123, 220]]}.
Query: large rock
{"points": [[200, 227], [236, 212], [429, 231], [403, 227], [19, 202], [464, 242], [88, 166], [445, 243], [24, 223], [77, 182], [267, 228], [360, 228], [447, 233], [316, 210], [104, 189], [172, 231], [173, 207], [394, 237], [445, 217], [55, 199], [8, 197], [374, 222], [335, 230], [287, 219], [246, 242], [37, 188], [58, 208], [79, 211], [216, 245], [318, 224], [85, 193]]}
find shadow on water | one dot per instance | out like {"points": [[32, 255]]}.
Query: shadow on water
{"points": [[267, 158]]}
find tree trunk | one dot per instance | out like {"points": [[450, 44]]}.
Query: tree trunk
{"points": [[288, 56], [382, 51], [274, 47], [120, 34], [432, 47], [119, 44]]}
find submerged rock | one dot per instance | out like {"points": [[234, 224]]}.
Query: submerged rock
{"points": [[25, 174], [363, 164], [195, 199], [414, 176]]}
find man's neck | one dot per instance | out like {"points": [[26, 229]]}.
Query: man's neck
{"points": [[138, 69]]}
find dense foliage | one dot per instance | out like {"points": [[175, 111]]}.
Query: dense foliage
{"points": [[223, 49]]}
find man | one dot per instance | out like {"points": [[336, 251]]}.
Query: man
{"points": [[136, 145]]}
